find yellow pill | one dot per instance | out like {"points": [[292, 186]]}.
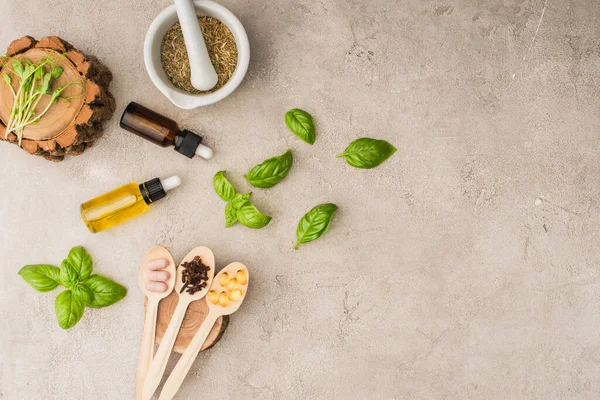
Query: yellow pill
{"points": [[223, 300], [213, 297], [232, 284], [241, 277], [235, 295], [224, 279]]}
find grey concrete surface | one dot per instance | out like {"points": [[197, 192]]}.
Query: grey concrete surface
{"points": [[465, 267]]}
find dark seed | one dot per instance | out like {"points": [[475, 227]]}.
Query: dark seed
{"points": [[194, 276]]}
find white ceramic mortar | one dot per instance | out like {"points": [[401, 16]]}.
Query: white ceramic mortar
{"points": [[153, 42]]}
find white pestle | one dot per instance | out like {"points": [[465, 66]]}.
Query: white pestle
{"points": [[204, 76]]}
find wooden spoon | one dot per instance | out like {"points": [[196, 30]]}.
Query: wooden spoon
{"points": [[215, 311], [158, 365], [147, 350]]}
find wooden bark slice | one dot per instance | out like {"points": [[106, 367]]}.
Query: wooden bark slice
{"points": [[68, 128], [194, 317]]}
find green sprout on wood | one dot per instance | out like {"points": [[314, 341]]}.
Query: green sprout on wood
{"points": [[35, 82]]}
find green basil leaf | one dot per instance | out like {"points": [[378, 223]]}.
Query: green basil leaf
{"points": [[314, 223], [7, 79], [105, 292], [69, 309], [41, 277], [301, 123], [249, 216], [271, 171], [230, 215], [223, 187], [83, 293], [367, 153], [69, 274], [240, 199], [81, 261]]}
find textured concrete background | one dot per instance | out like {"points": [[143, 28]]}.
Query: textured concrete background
{"points": [[466, 266]]}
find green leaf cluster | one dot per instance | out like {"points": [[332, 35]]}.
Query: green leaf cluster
{"points": [[363, 153], [238, 208], [33, 82], [83, 289]]}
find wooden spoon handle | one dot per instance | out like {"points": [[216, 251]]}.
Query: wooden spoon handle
{"points": [[187, 359], [159, 363], [147, 349]]}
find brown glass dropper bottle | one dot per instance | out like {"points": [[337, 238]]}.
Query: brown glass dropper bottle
{"points": [[163, 131]]}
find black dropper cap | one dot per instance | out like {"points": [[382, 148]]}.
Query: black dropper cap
{"points": [[152, 191], [187, 143]]}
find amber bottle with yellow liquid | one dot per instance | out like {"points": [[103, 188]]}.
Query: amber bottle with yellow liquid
{"points": [[124, 203]]}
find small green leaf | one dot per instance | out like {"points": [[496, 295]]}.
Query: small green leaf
{"points": [[240, 199], [41, 277], [7, 79], [249, 216], [81, 261], [223, 187], [230, 215], [301, 123], [69, 309], [105, 292], [18, 68], [26, 84], [83, 293], [314, 223], [39, 73], [56, 72], [46, 84], [271, 171], [69, 273], [367, 153], [29, 69]]}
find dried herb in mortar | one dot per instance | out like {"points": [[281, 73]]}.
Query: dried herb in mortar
{"points": [[221, 49]]}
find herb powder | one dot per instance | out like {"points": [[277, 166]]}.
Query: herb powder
{"points": [[221, 49]]}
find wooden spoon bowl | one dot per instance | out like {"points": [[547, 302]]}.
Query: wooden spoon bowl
{"points": [[208, 259], [232, 271], [156, 253]]}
